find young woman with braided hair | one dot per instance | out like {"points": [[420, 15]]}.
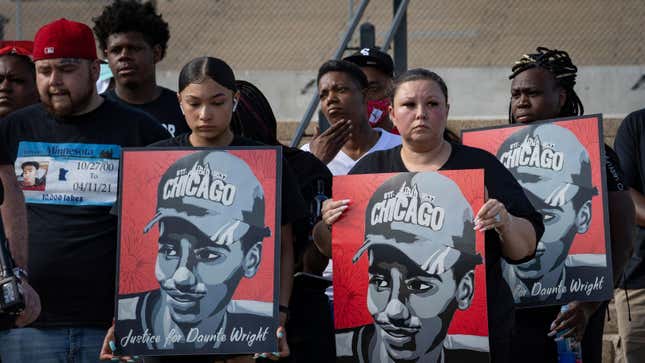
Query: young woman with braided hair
{"points": [[542, 88]]}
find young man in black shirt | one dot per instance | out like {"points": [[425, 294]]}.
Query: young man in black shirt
{"points": [[72, 235], [134, 38]]}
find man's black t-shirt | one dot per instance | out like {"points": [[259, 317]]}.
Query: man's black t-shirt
{"points": [[501, 186], [164, 109], [293, 206], [4, 155], [615, 175], [72, 236], [630, 147]]}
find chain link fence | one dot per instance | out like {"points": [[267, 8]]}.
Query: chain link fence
{"points": [[292, 35], [279, 44]]}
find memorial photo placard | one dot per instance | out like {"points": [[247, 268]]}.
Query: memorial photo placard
{"points": [[198, 258], [409, 273], [561, 166]]}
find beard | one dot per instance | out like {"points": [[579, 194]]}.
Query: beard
{"points": [[64, 104]]}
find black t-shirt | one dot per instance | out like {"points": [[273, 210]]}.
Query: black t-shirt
{"points": [[614, 172], [314, 181], [72, 247], [164, 109], [293, 206], [501, 186], [630, 147], [4, 154]]}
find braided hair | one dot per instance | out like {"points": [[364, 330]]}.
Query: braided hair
{"points": [[253, 117], [559, 64]]}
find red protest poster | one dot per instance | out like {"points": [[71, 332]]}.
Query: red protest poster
{"points": [[198, 263], [409, 273], [560, 165]]}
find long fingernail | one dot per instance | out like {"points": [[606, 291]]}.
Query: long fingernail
{"points": [[263, 355], [256, 356], [112, 345], [346, 200], [551, 333], [276, 354], [280, 334]]}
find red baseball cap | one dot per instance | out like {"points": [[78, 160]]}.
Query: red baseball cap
{"points": [[16, 47], [64, 39]]}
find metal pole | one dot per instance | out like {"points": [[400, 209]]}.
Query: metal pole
{"points": [[18, 20], [368, 35], [313, 104], [399, 33]]}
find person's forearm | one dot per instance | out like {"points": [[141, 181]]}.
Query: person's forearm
{"points": [[621, 217], [639, 207], [286, 264], [518, 239], [322, 238], [14, 216], [313, 261]]}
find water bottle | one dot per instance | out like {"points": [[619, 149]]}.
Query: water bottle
{"points": [[569, 350]]}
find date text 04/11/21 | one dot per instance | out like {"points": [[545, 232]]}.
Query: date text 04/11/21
{"points": [[94, 187]]}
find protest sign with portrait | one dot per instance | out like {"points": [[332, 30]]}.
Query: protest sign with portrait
{"points": [[560, 165], [198, 269], [409, 274]]}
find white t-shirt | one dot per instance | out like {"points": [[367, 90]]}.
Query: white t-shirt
{"points": [[342, 164]]}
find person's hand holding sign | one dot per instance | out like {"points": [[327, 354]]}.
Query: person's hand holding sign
{"points": [[516, 234], [330, 213]]}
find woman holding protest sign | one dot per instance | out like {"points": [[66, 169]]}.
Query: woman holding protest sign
{"points": [[419, 109], [208, 96]]}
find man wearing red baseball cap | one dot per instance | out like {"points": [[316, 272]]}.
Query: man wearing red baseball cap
{"points": [[78, 135]]}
